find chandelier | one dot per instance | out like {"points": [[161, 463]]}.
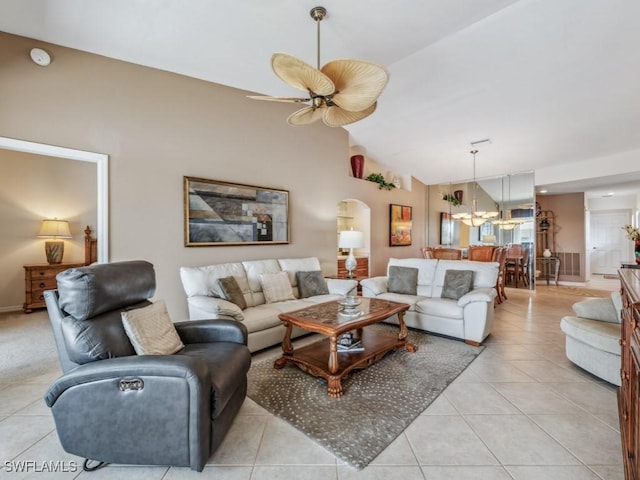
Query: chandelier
{"points": [[475, 217], [508, 223]]}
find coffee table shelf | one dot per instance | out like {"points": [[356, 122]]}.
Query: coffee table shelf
{"points": [[322, 358]]}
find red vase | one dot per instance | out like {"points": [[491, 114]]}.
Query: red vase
{"points": [[357, 165]]}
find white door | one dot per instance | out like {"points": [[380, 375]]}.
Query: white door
{"points": [[609, 244]]}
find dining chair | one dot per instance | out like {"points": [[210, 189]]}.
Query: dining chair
{"points": [[427, 252], [443, 253], [500, 256], [481, 253]]}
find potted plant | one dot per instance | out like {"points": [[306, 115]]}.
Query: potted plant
{"points": [[382, 183], [451, 199]]}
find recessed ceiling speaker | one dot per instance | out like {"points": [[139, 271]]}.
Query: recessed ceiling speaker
{"points": [[40, 57]]}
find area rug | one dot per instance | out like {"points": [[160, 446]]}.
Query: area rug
{"points": [[378, 402]]}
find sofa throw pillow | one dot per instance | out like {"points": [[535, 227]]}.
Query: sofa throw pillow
{"points": [[403, 280], [276, 287], [311, 283], [457, 283], [231, 291], [151, 330]]}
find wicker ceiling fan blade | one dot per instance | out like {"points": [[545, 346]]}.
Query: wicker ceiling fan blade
{"points": [[338, 117], [358, 83], [279, 99], [301, 75], [306, 116]]}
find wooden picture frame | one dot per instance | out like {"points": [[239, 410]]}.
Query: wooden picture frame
{"points": [[220, 213], [400, 225]]}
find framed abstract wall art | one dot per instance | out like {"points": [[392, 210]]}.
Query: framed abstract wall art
{"points": [[400, 224], [221, 213]]}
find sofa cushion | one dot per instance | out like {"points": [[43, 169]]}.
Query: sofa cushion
{"points": [[311, 283], [602, 309], [440, 307], [403, 280], [231, 291], [426, 272], [410, 300], [253, 269], [457, 283], [262, 317], [151, 331], [276, 287], [293, 265], [204, 280]]}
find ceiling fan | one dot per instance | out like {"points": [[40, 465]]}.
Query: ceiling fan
{"points": [[341, 92]]}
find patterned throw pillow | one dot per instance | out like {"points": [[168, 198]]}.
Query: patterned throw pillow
{"points": [[403, 280], [231, 291], [151, 330], [457, 283], [311, 284], [276, 287]]}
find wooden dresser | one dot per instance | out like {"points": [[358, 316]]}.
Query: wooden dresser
{"points": [[362, 267], [628, 394], [37, 279]]}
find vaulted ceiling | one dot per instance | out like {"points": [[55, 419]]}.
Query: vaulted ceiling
{"points": [[555, 84]]}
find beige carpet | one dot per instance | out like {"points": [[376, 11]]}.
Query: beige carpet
{"points": [[27, 347]]}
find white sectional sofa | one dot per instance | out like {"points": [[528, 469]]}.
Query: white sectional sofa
{"points": [[470, 317], [206, 300]]}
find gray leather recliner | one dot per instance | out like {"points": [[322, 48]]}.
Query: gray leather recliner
{"points": [[114, 406]]}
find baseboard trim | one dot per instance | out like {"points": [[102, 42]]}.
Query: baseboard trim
{"points": [[15, 308]]}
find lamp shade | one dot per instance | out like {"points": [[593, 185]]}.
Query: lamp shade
{"points": [[351, 239], [54, 228]]}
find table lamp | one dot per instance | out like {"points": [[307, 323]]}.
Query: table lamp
{"points": [[54, 228], [350, 239]]}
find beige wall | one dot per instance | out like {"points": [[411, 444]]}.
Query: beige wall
{"points": [[157, 127], [569, 217], [34, 187]]}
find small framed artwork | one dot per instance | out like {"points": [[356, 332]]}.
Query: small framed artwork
{"points": [[221, 213], [400, 224]]}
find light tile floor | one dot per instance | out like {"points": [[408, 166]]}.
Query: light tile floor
{"points": [[520, 411]]}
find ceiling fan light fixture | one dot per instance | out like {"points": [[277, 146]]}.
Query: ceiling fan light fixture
{"points": [[341, 92]]}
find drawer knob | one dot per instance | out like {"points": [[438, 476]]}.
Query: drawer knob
{"points": [[41, 297], [42, 284], [41, 273]]}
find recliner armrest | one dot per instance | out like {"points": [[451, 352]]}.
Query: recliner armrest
{"points": [[194, 370], [207, 331]]}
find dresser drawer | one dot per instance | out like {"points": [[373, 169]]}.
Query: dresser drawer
{"points": [[37, 279]]}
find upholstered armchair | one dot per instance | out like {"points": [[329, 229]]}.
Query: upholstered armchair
{"points": [[115, 405]]}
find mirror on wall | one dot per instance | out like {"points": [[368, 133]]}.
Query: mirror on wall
{"points": [[507, 201]]}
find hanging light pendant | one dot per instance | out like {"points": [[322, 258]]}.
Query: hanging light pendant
{"points": [[475, 217], [508, 223]]}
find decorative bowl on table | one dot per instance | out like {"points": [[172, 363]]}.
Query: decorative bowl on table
{"points": [[350, 306]]}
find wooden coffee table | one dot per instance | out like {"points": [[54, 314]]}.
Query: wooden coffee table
{"points": [[322, 358]]}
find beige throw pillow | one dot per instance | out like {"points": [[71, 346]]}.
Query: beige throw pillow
{"points": [[276, 287], [151, 331]]}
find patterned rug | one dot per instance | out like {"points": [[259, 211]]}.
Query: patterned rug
{"points": [[378, 402]]}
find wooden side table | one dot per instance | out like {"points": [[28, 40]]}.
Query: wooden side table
{"points": [[37, 279]]}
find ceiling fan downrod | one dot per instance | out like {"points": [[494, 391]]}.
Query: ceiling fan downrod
{"points": [[318, 13]]}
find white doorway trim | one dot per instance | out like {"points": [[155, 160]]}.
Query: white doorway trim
{"points": [[102, 163]]}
